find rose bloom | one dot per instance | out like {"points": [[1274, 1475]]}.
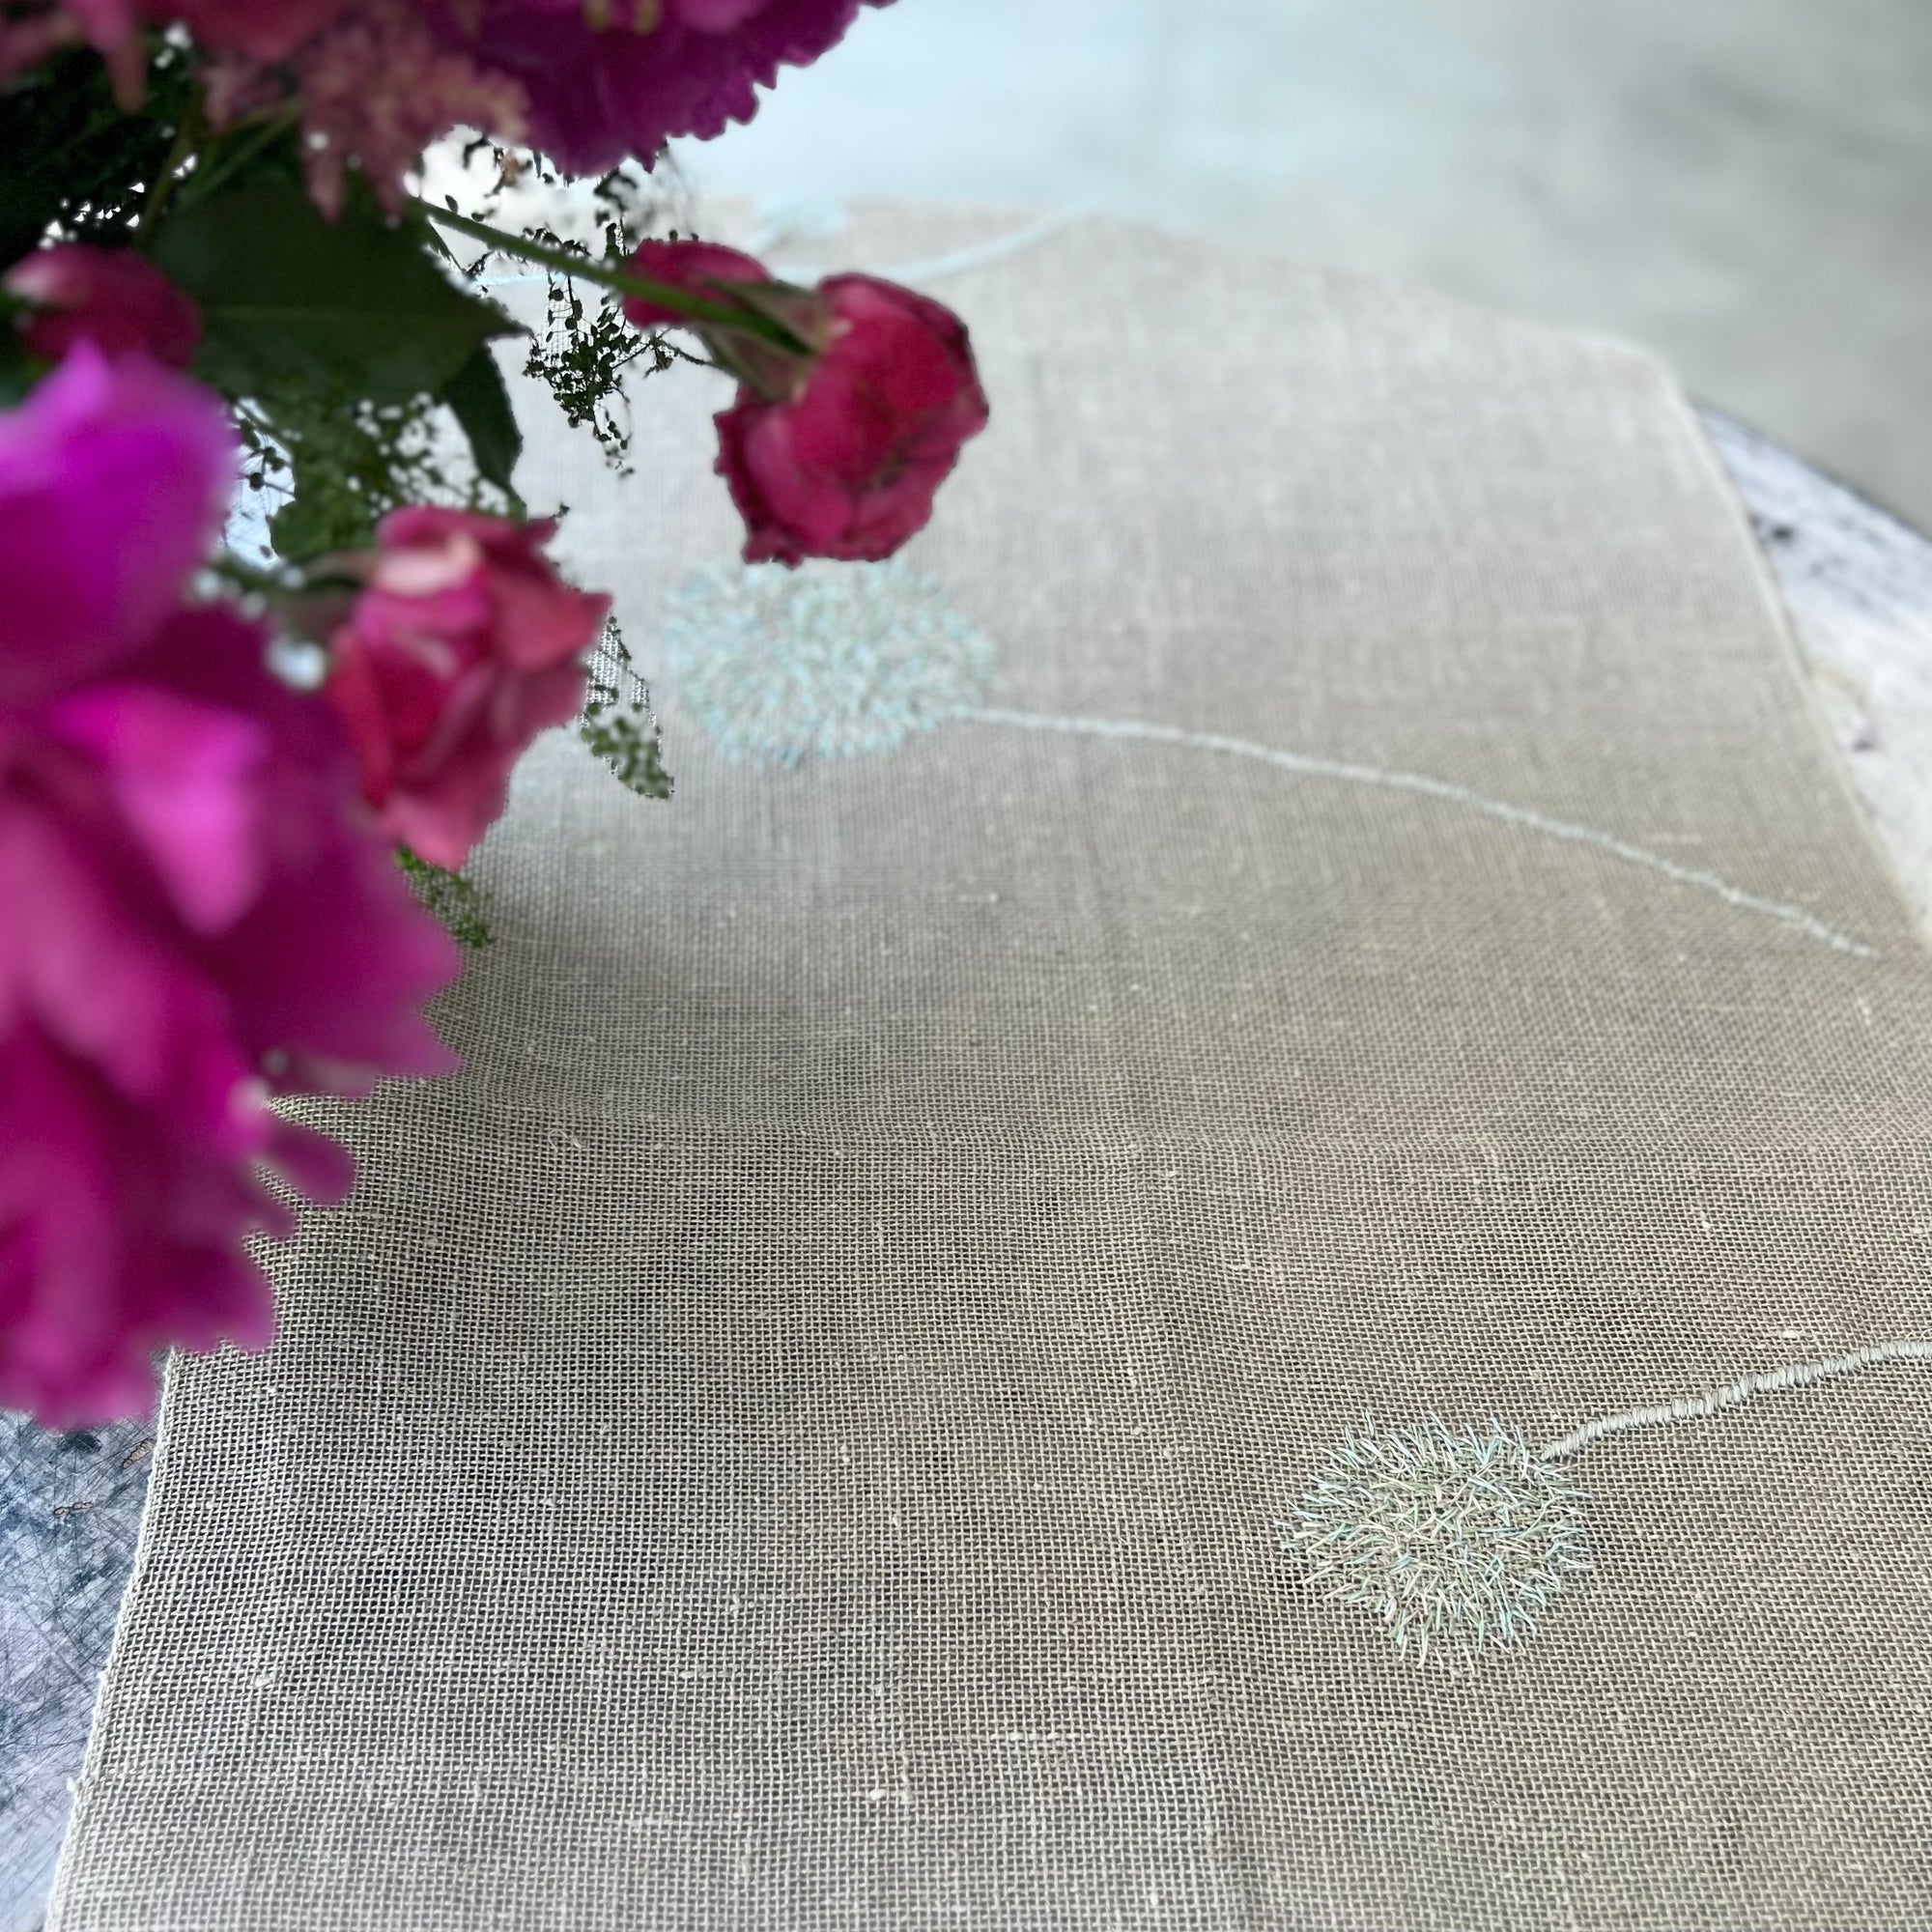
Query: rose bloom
{"points": [[610, 80], [846, 464], [463, 647], [109, 297], [196, 911]]}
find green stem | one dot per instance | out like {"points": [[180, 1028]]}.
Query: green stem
{"points": [[186, 136], [204, 181], [666, 294]]}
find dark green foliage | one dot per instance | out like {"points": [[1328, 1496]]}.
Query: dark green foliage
{"points": [[288, 297], [458, 902], [18, 370], [586, 348], [585, 351], [336, 465], [582, 354], [69, 157], [619, 724], [477, 399]]}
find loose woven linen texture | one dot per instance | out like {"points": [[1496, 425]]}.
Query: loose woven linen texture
{"points": [[791, 1438]]}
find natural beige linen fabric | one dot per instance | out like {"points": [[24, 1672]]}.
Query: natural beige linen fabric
{"points": [[791, 1438]]}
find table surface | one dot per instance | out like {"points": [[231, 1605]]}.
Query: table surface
{"points": [[1859, 586]]}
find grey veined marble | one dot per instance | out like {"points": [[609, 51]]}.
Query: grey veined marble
{"points": [[69, 1508]]}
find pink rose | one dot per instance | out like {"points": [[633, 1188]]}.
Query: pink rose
{"points": [[109, 297], [846, 464], [463, 647], [373, 88]]}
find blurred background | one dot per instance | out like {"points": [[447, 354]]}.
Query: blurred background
{"points": [[1745, 185]]}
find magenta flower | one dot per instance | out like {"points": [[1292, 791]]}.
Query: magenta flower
{"points": [[266, 30], [845, 465], [465, 645], [195, 912], [608, 80], [112, 298]]}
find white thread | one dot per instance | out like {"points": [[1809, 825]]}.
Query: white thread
{"points": [[980, 256], [1689, 1409], [1445, 1536], [1428, 787]]}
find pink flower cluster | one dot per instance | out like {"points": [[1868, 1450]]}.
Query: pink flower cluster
{"points": [[196, 911], [591, 82], [198, 904], [374, 86]]}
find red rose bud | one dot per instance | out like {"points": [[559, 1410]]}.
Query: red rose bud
{"points": [[773, 331], [463, 647], [845, 463], [695, 268], [109, 297]]}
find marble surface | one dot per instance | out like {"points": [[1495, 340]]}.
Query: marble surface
{"points": [[69, 1510], [1859, 585]]}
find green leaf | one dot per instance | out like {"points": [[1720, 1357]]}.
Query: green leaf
{"points": [[480, 403], [617, 723], [459, 903], [288, 296], [304, 527]]}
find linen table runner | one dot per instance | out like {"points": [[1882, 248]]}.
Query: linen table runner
{"points": [[1311, 908]]}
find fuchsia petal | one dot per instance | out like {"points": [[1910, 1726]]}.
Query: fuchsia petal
{"points": [[603, 94], [185, 780], [195, 905], [113, 481]]}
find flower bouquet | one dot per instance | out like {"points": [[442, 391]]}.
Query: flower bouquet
{"points": [[276, 624]]}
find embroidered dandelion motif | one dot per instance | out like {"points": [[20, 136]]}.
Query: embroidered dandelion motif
{"points": [[1467, 1538], [1444, 1536], [831, 660]]}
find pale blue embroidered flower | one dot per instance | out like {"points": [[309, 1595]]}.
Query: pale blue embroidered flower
{"points": [[830, 658], [1444, 1536]]}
